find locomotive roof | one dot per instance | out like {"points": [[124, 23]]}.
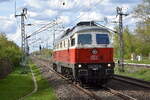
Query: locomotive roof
{"points": [[85, 23], [89, 23], [80, 28]]}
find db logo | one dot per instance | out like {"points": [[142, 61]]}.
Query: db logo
{"points": [[94, 51]]}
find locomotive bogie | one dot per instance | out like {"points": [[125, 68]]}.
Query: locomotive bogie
{"points": [[94, 72], [86, 73]]}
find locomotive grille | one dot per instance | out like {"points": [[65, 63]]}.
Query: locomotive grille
{"points": [[83, 72]]}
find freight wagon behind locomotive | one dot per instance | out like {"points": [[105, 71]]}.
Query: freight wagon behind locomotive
{"points": [[85, 53]]}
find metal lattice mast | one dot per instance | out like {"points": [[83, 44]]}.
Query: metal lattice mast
{"points": [[23, 36], [22, 33], [121, 42]]}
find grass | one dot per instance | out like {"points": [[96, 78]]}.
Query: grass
{"points": [[135, 72], [44, 92], [144, 61], [15, 85]]}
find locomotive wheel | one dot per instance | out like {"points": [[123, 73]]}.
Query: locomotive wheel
{"points": [[55, 67], [81, 84]]}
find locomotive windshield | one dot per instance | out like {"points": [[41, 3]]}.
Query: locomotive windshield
{"points": [[84, 39], [102, 38]]}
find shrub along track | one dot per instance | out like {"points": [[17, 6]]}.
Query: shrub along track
{"points": [[97, 93]]}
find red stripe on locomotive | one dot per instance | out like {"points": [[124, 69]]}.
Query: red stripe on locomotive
{"points": [[84, 55]]}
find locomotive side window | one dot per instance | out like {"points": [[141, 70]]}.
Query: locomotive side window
{"points": [[64, 43], [102, 38], [61, 45], [84, 39], [72, 41]]}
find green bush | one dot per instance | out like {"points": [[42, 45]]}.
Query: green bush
{"points": [[8, 49]]}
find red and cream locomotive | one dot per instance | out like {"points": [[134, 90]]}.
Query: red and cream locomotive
{"points": [[85, 53]]}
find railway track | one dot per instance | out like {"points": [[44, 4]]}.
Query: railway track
{"points": [[119, 94], [92, 93], [136, 65], [134, 81]]}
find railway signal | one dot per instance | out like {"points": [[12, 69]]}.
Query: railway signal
{"points": [[121, 42]]}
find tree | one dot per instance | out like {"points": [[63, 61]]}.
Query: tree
{"points": [[129, 46], [142, 11]]}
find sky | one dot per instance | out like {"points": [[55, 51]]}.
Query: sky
{"points": [[66, 12]]}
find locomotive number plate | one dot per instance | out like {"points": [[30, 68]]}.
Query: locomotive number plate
{"points": [[94, 57]]}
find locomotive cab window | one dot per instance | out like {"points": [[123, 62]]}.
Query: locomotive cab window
{"points": [[102, 38], [84, 39]]}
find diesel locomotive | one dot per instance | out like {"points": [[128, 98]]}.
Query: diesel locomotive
{"points": [[85, 53]]}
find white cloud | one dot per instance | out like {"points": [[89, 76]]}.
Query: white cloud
{"points": [[32, 14], [64, 19], [16, 37], [50, 12], [34, 3], [7, 24], [86, 16], [45, 14], [59, 4]]}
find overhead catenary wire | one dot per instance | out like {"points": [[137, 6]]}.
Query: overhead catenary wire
{"points": [[35, 41], [43, 28], [40, 29], [114, 31]]}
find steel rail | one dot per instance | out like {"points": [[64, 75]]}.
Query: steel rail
{"points": [[138, 65], [119, 94], [134, 81]]}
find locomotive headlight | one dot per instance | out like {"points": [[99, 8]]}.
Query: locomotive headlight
{"points": [[109, 65], [79, 65]]}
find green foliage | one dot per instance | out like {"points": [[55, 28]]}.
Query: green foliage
{"points": [[128, 43], [129, 46], [143, 10], [138, 43], [44, 53], [143, 61], [9, 49], [143, 38]]}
